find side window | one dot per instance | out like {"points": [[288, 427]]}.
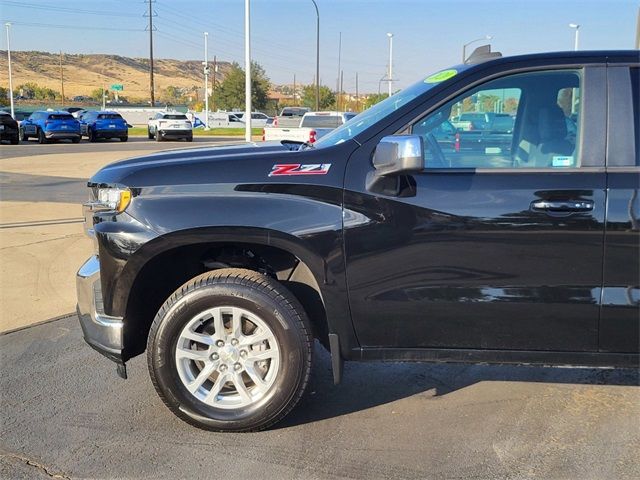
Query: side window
{"points": [[528, 120], [635, 89]]}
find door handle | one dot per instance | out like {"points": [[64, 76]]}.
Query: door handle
{"points": [[562, 206]]}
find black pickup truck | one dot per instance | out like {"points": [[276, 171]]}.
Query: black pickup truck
{"points": [[225, 264]]}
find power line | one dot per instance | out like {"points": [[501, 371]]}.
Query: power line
{"points": [[66, 9], [75, 27]]}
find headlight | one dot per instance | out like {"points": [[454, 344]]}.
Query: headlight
{"points": [[114, 198]]}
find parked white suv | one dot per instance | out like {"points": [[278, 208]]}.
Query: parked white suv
{"points": [[170, 125]]}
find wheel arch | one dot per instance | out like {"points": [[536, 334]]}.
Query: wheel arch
{"points": [[179, 256]]}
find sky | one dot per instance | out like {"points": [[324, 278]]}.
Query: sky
{"points": [[428, 35]]}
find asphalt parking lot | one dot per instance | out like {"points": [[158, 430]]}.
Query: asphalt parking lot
{"points": [[65, 414]]}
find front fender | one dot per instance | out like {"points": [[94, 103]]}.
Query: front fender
{"points": [[305, 221]]}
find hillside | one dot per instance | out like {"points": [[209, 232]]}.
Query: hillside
{"points": [[84, 73]]}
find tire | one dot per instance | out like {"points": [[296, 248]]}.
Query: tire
{"points": [[91, 135], [189, 138], [158, 136], [149, 134], [265, 309], [23, 136], [41, 138], [15, 140], [124, 139], [76, 140]]}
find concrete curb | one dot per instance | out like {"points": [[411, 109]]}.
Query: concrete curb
{"points": [[42, 322]]}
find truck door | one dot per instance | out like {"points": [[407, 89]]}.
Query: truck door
{"points": [[498, 246], [620, 318]]}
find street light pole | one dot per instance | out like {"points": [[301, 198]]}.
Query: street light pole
{"points": [[464, 47], [390, 35], [317, 55], [576, 27], [206, 80], [8, 25], [247, 71]]}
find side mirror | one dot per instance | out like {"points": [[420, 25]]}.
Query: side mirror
{"points": [[399, 154]]}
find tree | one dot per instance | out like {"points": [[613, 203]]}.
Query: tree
{"points": [[327, 97], [230, 94], [172, 94], [32, 90], [96, 94], [373, 99], [4, 97]]}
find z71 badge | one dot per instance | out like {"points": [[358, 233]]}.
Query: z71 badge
{"points": [[299, 169]]}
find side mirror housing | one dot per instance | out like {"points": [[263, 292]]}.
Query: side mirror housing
{"points": [[398, 154]]}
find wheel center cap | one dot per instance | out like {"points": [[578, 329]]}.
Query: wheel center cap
{"points": [[228, 353]]}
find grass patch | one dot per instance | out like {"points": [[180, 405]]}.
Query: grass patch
{"points": [[199, 132]]}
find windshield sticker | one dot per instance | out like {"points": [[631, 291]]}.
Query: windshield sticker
{"points": [[298, 169], [562, 161], [441, 76]]}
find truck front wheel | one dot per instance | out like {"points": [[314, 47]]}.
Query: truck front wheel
{"points": [[230, 350]]}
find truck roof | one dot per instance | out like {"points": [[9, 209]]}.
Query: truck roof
{"points": [[613, 56]]}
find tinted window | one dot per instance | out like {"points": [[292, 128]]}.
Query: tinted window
{"points": [[109, 116], [635, 88], [322, 121], [61, 116], [526, 120], [294, 112], [171, 116]]}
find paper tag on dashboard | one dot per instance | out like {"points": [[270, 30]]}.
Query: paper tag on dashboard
{"points": [[562, 161]]}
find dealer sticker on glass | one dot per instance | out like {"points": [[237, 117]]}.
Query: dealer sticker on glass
{"points": [[560, 161]]}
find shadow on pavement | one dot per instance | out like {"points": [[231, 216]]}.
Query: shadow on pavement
{"points": [[369, 384]]}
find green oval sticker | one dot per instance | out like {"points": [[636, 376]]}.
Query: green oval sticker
{"points": [[441, 76]]}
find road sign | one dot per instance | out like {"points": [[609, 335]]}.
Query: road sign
{"points": [[117, 86]]}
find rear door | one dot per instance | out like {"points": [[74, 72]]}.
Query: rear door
{"points": [[498, 247], [620, 320]]}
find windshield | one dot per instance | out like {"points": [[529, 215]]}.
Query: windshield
{"points": [[364, 120]]}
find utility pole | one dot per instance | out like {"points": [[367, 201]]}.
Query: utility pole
{"points": [[390, 35], [247, 71], [206, 81], [104, 99], [339, 62], [294, 89], [357, 95], [317, 55], [341, 85], [8, 25], [61, 78], [638, 30], [576, 36], [150, 28], [213, 83]]}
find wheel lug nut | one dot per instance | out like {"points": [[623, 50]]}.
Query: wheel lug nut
{"points": [[234, 342], [214, 356], [243, 353], [223, 367], [220, 343], [237, 367]]}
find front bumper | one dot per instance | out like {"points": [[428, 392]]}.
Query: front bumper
{"points": [[101, 331]]}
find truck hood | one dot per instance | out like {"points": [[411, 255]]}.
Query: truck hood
{"points": [[196, 165]]}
